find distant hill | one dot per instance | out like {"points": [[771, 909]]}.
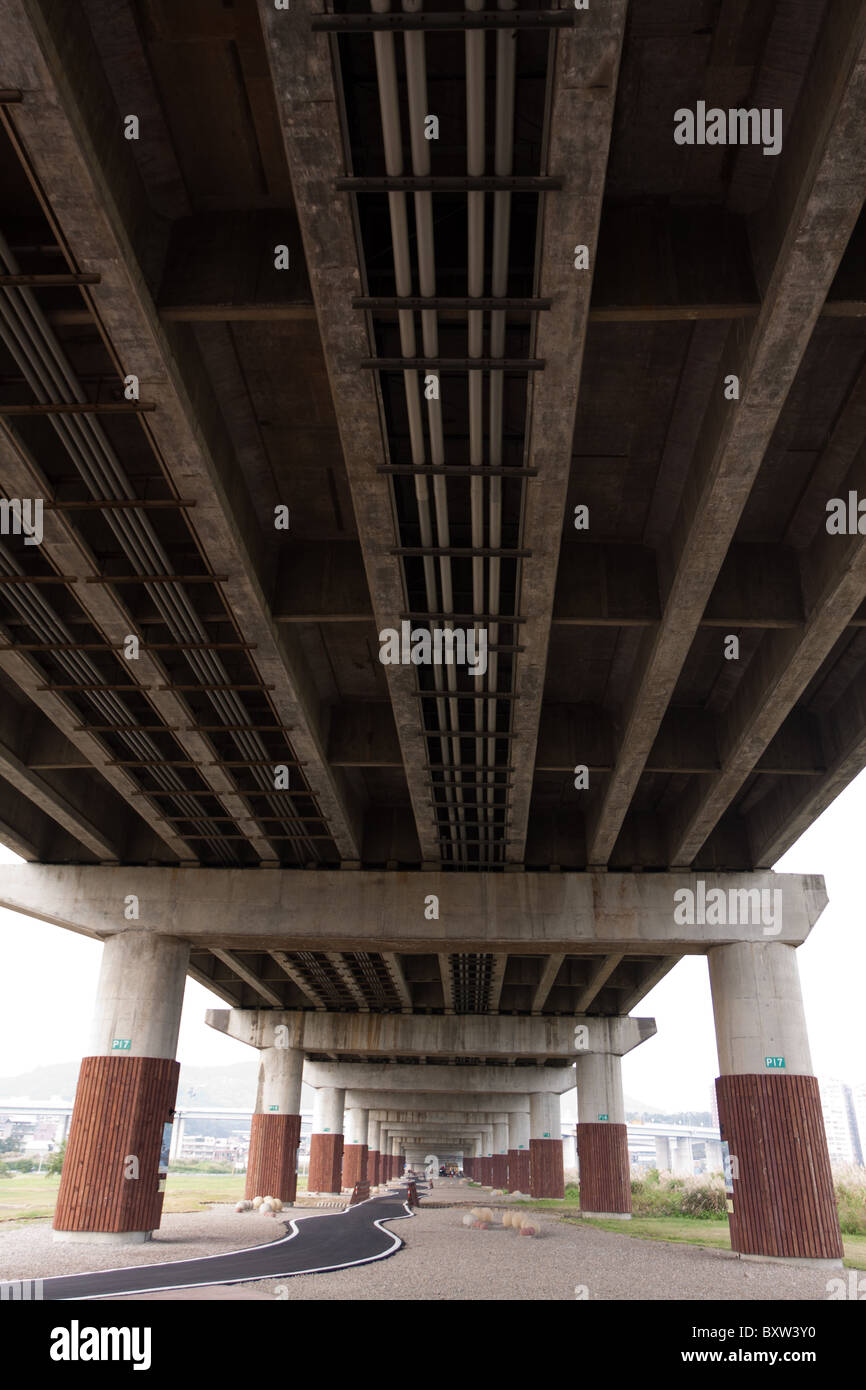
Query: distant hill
{"points": [[233, 1086]]}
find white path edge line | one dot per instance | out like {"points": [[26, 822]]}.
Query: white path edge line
{"points": [[245, 1279]]}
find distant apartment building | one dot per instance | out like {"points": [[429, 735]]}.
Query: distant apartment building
{"points": [[840, 1122], [858, 1110]]}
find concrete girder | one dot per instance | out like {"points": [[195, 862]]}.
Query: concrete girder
{"points": [[527, 914], [298, 979], [600, 976], [797, 242], [62, 545], [248, 976], [59, 807], [477, 1082], [583, 99], [309, 108], [71, 145], [833, 571], [460, 1035]]}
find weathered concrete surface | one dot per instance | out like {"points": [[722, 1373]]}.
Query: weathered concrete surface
{"points": [[304, 909], [461, 1035], [584, 99], [452, 1100], [74, 142], [797, 242], [280, 1075], [373, 1079], [758, 1008], [140, 995], [309, 109], [599, 1088]]}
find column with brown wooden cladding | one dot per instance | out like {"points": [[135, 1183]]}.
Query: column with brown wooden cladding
{"points": [[546, 1168], [783, 1204], [326, 1141], [602, 1137], [355, 1149], [111, 1187], [275, 1133], [518, 1151]]}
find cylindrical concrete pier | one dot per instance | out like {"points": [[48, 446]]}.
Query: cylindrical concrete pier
{"points": [[770, 1108], [373, 1160], [519, 1179], [499, 1164], [355, 1148], [110, 1188], [602, 1136], [326, 1140], [275, 1132], [547, 1172]]}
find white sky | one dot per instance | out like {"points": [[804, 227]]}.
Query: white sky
{"points": [[48, 984]]}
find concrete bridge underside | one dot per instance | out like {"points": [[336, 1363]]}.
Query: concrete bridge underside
{"points": [[287, 376]]}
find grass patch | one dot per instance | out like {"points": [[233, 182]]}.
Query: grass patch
{"points": [[33, 1197], [699, 1231]]}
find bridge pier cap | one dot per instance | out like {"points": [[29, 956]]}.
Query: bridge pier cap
{"points": [[370, 909], [433, 1035]]}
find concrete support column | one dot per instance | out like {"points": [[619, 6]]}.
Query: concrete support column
{"points": [[326, 1141], [355, 1148], [602, 1136], [518, 1151], [769, 1107], [392, 1158], [472, 1160], [126, 1093], [714, 1160], [275, 1132], [177, 1133], [684, 1159], [499, 1166], [547, 1176], [485, 1162], [663, 1153], [373, 1159]]}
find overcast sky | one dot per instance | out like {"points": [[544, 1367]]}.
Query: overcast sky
{"points": [[48, 983]]}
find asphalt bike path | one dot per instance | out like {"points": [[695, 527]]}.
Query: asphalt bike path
{"points": [[351, 1237]]}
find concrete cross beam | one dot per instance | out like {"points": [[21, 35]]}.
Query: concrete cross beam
{"points": [[432, 1035], [367, 910], [458, 1102], [444, 1118], [477, 1082]]}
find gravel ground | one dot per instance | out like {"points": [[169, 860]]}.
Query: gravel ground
{"points": [[442, 1260], [445, 1261]]}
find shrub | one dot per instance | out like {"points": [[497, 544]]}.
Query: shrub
{"points": [[702, 1197], [849, 1181]]}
